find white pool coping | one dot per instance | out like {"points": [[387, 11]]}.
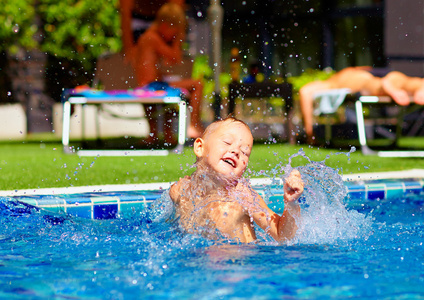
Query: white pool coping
{"points": [[413, 173]]}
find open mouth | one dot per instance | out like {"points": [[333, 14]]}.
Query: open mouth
{"points": [[230, 162]]}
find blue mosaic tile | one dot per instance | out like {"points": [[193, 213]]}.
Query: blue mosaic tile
{"points": [[356, 191], [129, 209], [49, 202], [152, 197], [80, 211], [132, 198], [357, 195], [29, 201], [54, 209], [105, 200], [375, 191], [374, 195], [395, 193], [79, 200], [105, 211], [413, 187]]}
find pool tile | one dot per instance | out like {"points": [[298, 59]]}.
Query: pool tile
{"points": [[376, 191], [357, 195], [395, 193], [132, 198], [413, 187], [128, 209], [55, 209], [104, 200], [374, 195], [77, 200], [152, 197], [105, 211], [79, 211], [394, 189], [29, 201], [356, 191]]}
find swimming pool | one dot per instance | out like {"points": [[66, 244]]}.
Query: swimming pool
{"points": [[368, 244]]}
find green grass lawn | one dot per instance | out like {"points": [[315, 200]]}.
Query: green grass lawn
{"points": [[34, 164]]}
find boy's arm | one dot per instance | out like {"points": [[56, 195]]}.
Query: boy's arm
{"points": [[282, 228]]}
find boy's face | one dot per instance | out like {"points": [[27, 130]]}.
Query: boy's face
{"points": [[227, 149]]}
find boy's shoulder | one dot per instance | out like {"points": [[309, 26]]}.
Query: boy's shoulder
{"points": [[176, 189]]}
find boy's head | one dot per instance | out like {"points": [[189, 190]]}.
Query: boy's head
{"points": [[170, 20], [225, 146]]}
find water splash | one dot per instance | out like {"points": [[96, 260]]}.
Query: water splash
{"points": [[325, 218]]}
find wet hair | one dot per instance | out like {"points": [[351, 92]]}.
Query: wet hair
{"points": [[213, 126], [171, 13]]}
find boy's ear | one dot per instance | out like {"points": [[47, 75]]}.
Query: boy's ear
{"points": [[199, 147]]}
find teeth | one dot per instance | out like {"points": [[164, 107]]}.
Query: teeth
{"points": [[229, 161]]}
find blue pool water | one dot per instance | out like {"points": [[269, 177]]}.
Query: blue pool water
{"points": [[356, 240]]}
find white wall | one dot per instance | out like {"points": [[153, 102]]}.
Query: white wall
{"points": [[13, 122], [109, 126]]}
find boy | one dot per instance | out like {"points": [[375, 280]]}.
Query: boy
{"points": [[215, 200], [161, 45]]}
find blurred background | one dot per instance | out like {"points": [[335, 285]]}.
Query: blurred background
{"points": [[50, 45]]}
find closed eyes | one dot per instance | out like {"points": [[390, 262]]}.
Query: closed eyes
{"points": [[244, 149]]}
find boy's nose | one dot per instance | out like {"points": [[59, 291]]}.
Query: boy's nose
{"points": [[235, 151]]}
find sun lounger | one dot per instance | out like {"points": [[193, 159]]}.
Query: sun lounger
{"points": [[147, 95], [328, 102]]}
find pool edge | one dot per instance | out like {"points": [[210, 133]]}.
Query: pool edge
{"points": [[360, 177]]}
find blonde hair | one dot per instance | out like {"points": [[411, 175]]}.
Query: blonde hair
{"points": [[213, 126], [171, 13]]}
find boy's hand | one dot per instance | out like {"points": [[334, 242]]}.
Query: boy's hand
{"points": [[293, 187]]}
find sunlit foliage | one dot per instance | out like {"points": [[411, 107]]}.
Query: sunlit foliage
{"points": [[71, 29], [17, 25], [80, 29]]}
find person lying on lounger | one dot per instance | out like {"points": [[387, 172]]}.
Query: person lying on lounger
{"points": [[216, 201], [402, 88], [359, 80]]}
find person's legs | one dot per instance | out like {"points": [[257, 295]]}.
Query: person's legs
{"points": [[195, 88], [415, 87], [393, 84], [306, 95], [419, 95]]}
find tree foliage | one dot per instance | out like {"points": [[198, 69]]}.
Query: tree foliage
{"points": [[17, 29], [72, 29], [80, 29]]}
